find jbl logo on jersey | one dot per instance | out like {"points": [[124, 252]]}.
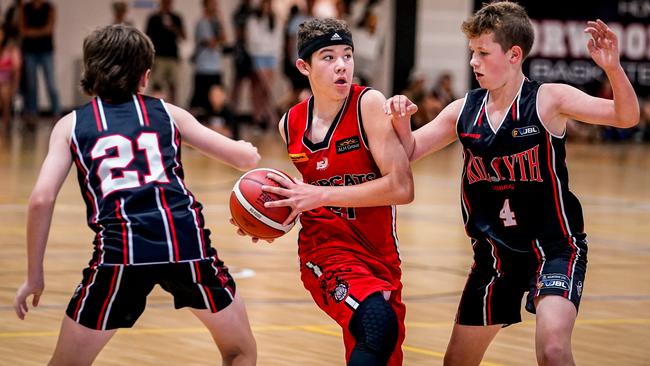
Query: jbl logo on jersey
{"points": [[556, 280], [525, 131]]}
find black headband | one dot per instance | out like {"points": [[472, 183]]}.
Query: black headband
{"points": [[328, 39]]}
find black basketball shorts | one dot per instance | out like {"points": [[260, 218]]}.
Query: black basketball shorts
{"points": [[114, 296], [500, 276]]}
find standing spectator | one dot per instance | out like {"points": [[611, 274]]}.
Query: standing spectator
{"points": [[207, 56], [368, 52], [165, 28], [120, 9], [10, 66], [299, 82], [264, 38], [241, 57], [37, 28]]}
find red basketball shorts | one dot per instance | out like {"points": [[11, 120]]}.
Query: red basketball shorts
{"points": [[339, 283]]}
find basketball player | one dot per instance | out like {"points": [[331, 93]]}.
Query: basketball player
{"points": [[148, 225], [349, 254], [525, 225]]}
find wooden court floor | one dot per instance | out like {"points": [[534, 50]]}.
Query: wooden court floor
{"points": [[613, 328]]}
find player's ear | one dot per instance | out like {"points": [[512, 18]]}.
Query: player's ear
{"points": [[516, 55], [303, 66], [144, 80]]}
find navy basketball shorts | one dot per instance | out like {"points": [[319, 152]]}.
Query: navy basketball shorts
{"points": [[114, 296], [500, 276]]}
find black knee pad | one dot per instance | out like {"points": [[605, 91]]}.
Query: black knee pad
{"points": [[374, 326]]}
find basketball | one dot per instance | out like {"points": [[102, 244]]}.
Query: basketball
{"points": [[247, 205]]}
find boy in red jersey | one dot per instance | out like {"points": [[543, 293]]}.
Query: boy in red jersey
{"points": [[525, 225], [149, 227], [349, 254]]}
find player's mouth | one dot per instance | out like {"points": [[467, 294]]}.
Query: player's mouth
{"points": [[478, 75], [341, 82]]}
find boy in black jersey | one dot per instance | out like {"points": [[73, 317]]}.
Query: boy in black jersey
{"points": [[525, 225], [148, 225]]}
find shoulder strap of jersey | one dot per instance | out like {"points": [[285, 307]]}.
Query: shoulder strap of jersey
{"points": [[360, 92]]}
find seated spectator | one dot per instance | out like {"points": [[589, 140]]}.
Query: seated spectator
{"points": [[416, 92], [220, 117], [444, 89]]}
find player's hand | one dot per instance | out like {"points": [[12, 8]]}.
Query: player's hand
{"points": [[29, 287], [300, 196], [241, 232], [400, 108], [603, 45]]}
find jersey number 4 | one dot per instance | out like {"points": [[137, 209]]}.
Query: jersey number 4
{"points": [[112, 169], [507, 215]]}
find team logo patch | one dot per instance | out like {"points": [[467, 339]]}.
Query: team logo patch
{"points": [[525, 131], [323, 164], [298, 158], [555, 280], [340, 291], [579, 288], [347, 145]]}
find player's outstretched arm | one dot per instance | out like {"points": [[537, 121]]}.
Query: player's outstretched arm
{"points": [[559, 101], [39, 213], [240, 154], [395, 186], [433, 136]]}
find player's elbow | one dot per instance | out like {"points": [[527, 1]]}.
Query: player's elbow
{"points": [[403, 190], [628, 122]]}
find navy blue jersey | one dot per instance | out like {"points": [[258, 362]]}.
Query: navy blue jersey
{"points": [[515, 187], [131, 178]]}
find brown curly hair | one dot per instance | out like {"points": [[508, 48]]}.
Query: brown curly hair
{"points": [[508, 21]]}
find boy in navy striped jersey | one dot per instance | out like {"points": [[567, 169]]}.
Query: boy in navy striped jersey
{"points": [[525, 225], [148, 226]]}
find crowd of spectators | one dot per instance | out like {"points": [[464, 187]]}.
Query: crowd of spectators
{"points": [[260, 48]]}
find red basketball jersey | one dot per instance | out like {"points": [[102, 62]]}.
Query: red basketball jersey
{"points": [[341, 159]]}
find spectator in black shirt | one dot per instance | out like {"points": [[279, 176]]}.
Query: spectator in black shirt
{"points": [[165, 28]]}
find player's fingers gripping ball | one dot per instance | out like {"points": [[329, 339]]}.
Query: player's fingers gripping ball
{"points": [[247, 205]]}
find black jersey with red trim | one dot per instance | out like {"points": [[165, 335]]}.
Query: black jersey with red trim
{"points": [[515, 184], [131, 178], [341, 159]]}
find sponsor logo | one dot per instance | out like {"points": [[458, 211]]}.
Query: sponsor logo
{"points": [[336, 37], [298, 158], [556, 280], [525, 131], [322, 165], [347, 145], [579, 288]]}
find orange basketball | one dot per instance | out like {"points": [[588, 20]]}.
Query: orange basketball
{"points": [[247, 205]]}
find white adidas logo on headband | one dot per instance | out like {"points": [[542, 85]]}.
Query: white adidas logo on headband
{"points": [[336, 37]]}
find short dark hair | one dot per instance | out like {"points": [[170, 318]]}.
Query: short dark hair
{"points": [[508, 21], [115, 57], [316, 27]]}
